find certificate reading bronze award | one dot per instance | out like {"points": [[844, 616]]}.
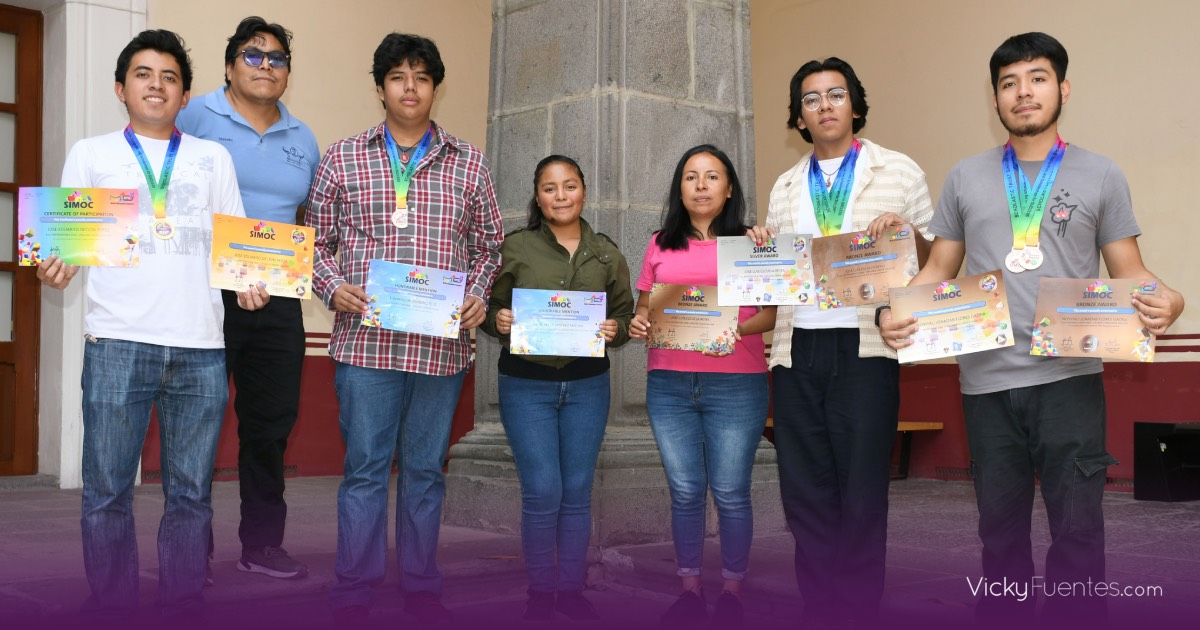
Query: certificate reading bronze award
{"points": [[686, 317], [853, 269], [93, 227], [777, 272], [276, 256], [962, 316], [558, 323], [421, 300], [1091, 318]]}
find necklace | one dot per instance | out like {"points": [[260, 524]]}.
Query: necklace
{"points": [[404, 151], [828, 176]]}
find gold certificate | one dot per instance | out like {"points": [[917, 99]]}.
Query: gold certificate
{"points": [[1092, 318], [960, 316], [687, 317], [854, 269]]}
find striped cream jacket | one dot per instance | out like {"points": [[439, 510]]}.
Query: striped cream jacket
{"points": [[891, 182]]}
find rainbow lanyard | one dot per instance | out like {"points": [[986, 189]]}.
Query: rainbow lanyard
{"points": [[1027, 204], [157, 186], [402, 173], [830, 205]]}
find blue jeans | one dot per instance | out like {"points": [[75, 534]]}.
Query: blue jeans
{"points": [[122, 380], [708, 426], [1056, 430], [555, 429], [835, 424], [386, 413]]}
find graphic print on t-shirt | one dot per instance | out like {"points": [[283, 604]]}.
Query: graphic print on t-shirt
{"points": [[1060, 212]]}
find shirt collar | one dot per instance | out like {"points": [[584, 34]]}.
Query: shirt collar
{"points": [[219, 103]]}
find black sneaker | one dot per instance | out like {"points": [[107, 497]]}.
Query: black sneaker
{"points": [[272, 561], [728, 612], [427, 608], [575, 606], [539, 606], [687, 610]]}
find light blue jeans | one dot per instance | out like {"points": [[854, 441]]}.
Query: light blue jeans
{"points": [[386, 413], [555, 429], [708, 426], [122, 380]]}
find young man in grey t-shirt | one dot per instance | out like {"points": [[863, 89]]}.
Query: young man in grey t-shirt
{"points": [[1028, 414]]}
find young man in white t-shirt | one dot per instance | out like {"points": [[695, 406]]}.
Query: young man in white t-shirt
{"points": [[153, 333]]}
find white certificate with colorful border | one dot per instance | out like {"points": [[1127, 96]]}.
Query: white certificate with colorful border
{"points": [[687, 317], [409, 298], [557, 323], [87, 227], [1092, 318], [778, 272], [960, 316]]}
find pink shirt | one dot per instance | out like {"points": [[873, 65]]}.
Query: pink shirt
{"points": [[697, 265]]}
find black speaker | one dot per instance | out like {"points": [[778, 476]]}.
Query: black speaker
{"points": [[1166, 461]]}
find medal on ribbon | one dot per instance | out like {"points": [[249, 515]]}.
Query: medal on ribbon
{"points": [[402, 172], [1027, 205], [829, 205], [162, 227]]}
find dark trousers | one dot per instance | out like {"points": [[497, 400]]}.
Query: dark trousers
{"points": [[835, 424], [1056, 430], [264, 351]]}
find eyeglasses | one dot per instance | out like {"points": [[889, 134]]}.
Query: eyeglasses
{"points": [[254, 58], [837, 98]]}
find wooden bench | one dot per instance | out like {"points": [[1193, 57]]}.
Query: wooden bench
{"points": [[905, 429]]}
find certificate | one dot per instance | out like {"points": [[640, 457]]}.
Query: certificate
{"points": [[1092, 318], [686, 317], [90, 227], [421, 300], [777, 272], [854, 269], [964, 315], [560, 323], [276, 256]]}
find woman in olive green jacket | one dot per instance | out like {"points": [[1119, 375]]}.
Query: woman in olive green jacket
{"points": [[555, 408]]}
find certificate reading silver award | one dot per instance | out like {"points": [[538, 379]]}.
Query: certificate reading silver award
{"points": [[687, 317], [853, 269], [1092, 318], [778, 272], [559, 323], [961, 316]]}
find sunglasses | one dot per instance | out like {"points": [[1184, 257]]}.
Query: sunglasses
{"points": [[254, 58]]}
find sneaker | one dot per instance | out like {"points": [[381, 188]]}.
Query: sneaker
{"points": [[272, 561], [539, 607], [728, 611], [575, 606], [427, 608], [687, 610]]}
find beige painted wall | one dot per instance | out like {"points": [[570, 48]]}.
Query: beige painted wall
{"points": [[331, 88], [1135, 94]]}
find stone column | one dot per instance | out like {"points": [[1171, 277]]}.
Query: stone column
{"points": [[624, 87]]}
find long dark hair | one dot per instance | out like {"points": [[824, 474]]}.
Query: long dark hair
{"points": [[535, 211], [677, 225]]}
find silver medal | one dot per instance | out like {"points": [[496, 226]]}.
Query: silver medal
{"points": [[1012, 261], [1032, 258], [400, 218]]}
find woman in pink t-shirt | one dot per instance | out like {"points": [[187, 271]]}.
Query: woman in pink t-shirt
{"points": [[707, 409]]}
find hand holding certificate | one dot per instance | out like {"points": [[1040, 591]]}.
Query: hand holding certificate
{"points": [[777, 272], [558, 323], [1093, 318], [686, 317], [853, 269], [278, 257], [92, 227], [961, 316], [421, 300]]}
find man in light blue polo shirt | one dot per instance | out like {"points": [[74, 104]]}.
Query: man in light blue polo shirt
{"points": [[275, 157]]}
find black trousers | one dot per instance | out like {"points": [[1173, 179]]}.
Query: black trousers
{"points": [[264, 352], [835, 424]]}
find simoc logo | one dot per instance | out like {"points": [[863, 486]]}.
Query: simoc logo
{"points": [[269, 236], [416, 280]]}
